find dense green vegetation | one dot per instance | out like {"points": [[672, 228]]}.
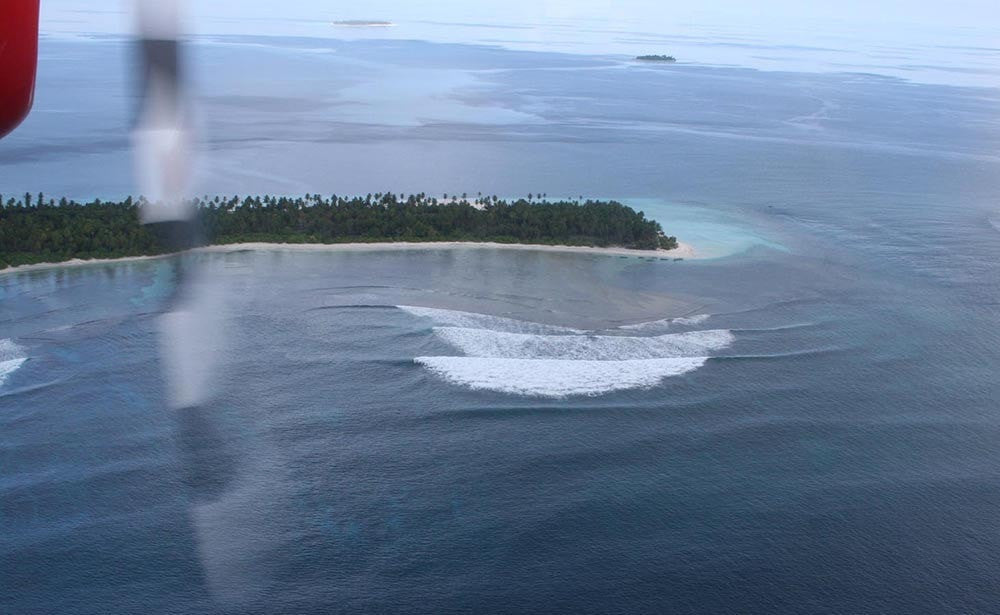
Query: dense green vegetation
{"points": [[657, 58], [33, 230]]}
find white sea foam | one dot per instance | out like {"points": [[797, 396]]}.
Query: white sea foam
{"points": [[12, 357], [497, 344], [454, 318], [557, 378]]}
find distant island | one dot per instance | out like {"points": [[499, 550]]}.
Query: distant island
{"points": [[667, 59], [361, 23], [35, 230]]}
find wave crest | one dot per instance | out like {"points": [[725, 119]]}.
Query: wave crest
{"points": [[455, 318], [498, 344], [531, 359], [666, 323]]}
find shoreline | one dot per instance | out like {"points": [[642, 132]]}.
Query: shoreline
{"points": [[683, 251]]}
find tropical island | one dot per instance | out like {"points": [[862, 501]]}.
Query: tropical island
{"points": [[35, 230], [667, 59]]}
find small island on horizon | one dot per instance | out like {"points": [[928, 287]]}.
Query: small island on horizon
{"points": [[656, 58], [34, 230], [363, 23]]}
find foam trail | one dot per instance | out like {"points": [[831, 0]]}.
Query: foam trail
{"points": [[454, 318], [557, 378], [12, 357], [496, 344]]}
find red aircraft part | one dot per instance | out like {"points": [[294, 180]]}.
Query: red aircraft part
{"points": [[18, 60]]}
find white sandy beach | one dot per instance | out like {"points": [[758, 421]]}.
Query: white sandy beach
{"points": [[685, 251]]}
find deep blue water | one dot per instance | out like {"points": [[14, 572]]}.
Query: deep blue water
{"points": [[825, 441]]}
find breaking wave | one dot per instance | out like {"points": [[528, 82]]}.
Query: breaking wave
{"points": [[12, 357], [524, 358], [691, 321], [666, 323], [496, 344], [454, 318]]}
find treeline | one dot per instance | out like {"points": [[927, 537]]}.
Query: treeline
{"points": [[34, 230]]}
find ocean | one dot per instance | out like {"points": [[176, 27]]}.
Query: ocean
{"points": [[804, 420]]}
